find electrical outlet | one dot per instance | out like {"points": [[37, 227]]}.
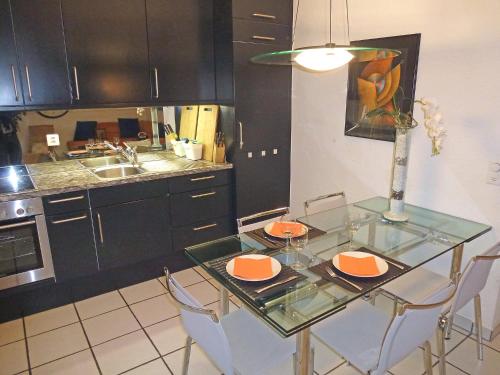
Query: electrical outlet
{"points": [[493, 176]]}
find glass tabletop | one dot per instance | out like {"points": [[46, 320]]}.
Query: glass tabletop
{"points": [[426, 235]]}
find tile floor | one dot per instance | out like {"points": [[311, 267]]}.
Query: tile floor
{"points": [[137, 331]]}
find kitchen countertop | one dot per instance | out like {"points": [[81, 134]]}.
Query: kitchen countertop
{"points": [[66, 176]]}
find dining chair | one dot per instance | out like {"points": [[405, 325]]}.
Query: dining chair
{"points": [[260, 219], [237, 342], [324, 202], [373, 342]]}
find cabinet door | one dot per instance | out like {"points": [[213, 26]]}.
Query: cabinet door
{"points": [[42, 54], [107, 51], [181, 50], [10, 85], [131, 232], [72, 245]]}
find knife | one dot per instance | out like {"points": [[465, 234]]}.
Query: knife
{"points": [[276, 284]]}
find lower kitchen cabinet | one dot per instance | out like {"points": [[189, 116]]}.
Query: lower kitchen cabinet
{"points": [[72, 245], [132, 232], [200, 232]]}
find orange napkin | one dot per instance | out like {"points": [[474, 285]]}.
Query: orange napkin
{"points": [[366, 266], [249, 268], [279, 229]]}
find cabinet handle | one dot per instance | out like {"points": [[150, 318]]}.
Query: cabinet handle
{"points": [[99, 222], [157, 87], [204, 195], [14, 81], [202, 178], [17, 225], [260, 37], [28, 81], [205, 227], [266, 16], [77, 87], [78, 218], [67, 199], [241, 135]]}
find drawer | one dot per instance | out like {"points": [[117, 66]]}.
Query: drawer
{"points": [[200, 181], [128, 192], [260, 32], [197, 205], [273, 11], [201, 232], [66, 202]]}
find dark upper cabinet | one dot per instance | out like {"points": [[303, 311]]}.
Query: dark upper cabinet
{"points": [[181, 50], [41, 51], [10, 82], [107, 51]]}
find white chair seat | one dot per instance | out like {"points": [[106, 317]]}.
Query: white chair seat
{"points": [[417, 285], [254, 346], [362, 322]]}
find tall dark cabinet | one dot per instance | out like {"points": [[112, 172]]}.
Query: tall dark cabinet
{"points": [[181, 52], [107, 51]]}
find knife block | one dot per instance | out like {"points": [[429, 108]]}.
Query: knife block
{"points": [[219, 154]]}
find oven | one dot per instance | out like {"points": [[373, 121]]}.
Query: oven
{"points": [[24, 244]]}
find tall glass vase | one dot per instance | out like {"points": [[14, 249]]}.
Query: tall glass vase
{"points": [[399, 173]]}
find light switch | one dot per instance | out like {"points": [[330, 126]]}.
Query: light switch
{"points": [[263, 153], [250, 155], [52, 140], [275, 151]]}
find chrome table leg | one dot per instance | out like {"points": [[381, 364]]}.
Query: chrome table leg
{"points": [[427, 358], [479, 326], [304, 357], [187, 355], [456, 262], [224, 301]]}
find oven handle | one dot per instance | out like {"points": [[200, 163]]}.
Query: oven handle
{"points": [[16, 225]]}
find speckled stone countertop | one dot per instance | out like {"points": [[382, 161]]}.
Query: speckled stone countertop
{"points": [[65, 176]]}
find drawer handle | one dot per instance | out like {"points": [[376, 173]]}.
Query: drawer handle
{"points": [[266, 16], [101, 234], [205, 227], [77, 198], [204, 195], [260, 37], [83, 217], [202, 178]]}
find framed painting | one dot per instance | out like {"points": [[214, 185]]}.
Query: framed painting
{"points": [[386, 83]]}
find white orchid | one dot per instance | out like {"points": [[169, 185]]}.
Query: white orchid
{"points": [[433, 119]]}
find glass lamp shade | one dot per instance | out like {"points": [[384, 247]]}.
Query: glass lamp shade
{"points": [[323, 59]]}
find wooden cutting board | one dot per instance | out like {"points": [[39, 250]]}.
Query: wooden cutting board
{"points": [[189, 118], [207, 125]]}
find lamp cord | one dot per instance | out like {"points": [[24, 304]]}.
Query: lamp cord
{"points": [[330, 21], [347, 20], [295, 22]]}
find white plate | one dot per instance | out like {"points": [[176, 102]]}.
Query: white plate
{"points": [[382, 265], [275, 265], [269, 227]]}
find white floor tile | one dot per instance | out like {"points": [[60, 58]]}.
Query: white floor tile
{"points": [[168, 336], [450, 370], [50, 319], [325, 359], [345, 369], [156, 367], [142, 291], [124, 353], [464, 357], [110, 325], [11, 331], [204, 292], [55, 344], [13, 358], [100, 304], [413, 364], [81, 363], [188, 277], [154, 310], [198, 363], [202, 272], [495, 344]]}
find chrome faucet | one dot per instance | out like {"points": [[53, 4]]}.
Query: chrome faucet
{"points": [[128, 152]]}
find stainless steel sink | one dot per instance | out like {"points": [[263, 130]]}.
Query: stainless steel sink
{"points": [[117, 171], [101, 162]]}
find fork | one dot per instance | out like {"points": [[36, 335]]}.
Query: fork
{"points": [[334, 275]]}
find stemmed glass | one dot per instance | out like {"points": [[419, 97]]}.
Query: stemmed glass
{"points": [[299, 243], [353, 223], [287, 233]]}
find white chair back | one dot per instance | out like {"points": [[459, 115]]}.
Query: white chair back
{"points": [[412, 327], [324, 202], [474, 277], [203, 326], [260, 219]]}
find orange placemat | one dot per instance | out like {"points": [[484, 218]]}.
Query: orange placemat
{"points": [[279, 228], [253, 268], [366, 266]]}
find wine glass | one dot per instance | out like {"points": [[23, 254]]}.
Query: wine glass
{"points": [[299, 243], [353, 223], [287, 233]]}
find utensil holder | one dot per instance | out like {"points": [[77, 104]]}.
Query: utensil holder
{"points": [[179, 148], [219, 154], [193, 150]]}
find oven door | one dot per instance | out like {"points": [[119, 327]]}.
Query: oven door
{"points": [[24, 252]]}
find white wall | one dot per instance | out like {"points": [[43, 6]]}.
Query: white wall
{"points": [[459, 55]]}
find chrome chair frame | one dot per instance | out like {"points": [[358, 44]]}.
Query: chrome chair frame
{"points": [[308, 202], [276, 212]]}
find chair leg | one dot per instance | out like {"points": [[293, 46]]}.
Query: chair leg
{"points": [[479, 326], [440, 346], [427, 358], [449, 326], [187, 354], [395, 306]]}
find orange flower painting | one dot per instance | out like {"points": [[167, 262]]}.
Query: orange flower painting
{"points": [[383, 80]]}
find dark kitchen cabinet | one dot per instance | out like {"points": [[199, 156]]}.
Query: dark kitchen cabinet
{"points": [[132, 232], [11, 94], [41, 52], [107, 49], [72, 245], [274, 11], [181, 50]]}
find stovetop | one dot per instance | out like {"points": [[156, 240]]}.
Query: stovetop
{"points": [[15, 179]]}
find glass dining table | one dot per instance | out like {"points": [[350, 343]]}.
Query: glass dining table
{"points": [[293, 307]]}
